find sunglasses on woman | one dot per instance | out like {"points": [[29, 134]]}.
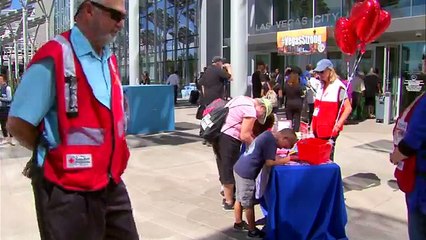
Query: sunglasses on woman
{"points": [[114, 14]]}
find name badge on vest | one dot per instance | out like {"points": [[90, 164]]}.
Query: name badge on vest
{"points": [[76, 161], [315, 113]]}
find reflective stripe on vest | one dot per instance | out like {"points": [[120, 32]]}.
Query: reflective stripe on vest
{"points": [[83, 135], [68, 56]]}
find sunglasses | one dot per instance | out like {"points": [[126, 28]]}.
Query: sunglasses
{"points": [[114, 14]]}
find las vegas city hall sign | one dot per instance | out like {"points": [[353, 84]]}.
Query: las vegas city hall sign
{"points": [[323, 19]]}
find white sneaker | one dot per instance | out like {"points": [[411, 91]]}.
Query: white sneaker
{"points": [[3, 141], [12, 141]]}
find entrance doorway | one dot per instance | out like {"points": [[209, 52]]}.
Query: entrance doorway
{"points": [[387, 60]]}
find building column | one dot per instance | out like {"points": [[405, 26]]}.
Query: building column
{"points": [[239, 47], [203, 35], [15, 48], [210, 31], [9, 67], [72, 13], [25, 34], [134, 42]]}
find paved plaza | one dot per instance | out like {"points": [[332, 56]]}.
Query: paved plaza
{"points": [[173, 184]]}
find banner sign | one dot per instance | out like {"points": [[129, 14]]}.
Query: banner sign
{"points": [[303, 41]]}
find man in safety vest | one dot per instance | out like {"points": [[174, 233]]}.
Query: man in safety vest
{"points": [[69, 110]]}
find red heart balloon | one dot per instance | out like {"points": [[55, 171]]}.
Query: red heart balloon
{"points": [[364, 18], [345, 36], [383, 24]]}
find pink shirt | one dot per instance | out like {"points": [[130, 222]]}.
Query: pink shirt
{"points": [[239, 108]]}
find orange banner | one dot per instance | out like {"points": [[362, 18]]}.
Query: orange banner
{"points": [[303, 41]]}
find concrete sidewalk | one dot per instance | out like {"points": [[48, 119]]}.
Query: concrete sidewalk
{"points": [[173, 182]]}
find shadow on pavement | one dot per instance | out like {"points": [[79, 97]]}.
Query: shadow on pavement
{"points": [[183, 126], [384, 146], [360, 181], [227, 234], [393, 184], [352, 122], [174, 138], [11, 152], [364, 224]]}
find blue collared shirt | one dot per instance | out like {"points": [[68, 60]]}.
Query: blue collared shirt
{"points": [[35, 98]]}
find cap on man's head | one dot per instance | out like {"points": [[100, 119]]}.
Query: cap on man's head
{"points": [[323, 64], [218, 59]]}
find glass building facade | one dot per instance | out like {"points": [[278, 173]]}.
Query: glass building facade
{"points": [[281, 15], [399, 55], [61, 16], [169, 38]]}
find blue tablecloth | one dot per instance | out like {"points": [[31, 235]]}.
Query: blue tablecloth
{"points": [[151, 109], [305, 202]]}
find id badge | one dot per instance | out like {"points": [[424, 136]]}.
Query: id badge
{"points": [[76, 161], [316, 111]]}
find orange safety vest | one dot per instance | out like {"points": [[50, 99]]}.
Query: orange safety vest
{"points": [[92, 147]]}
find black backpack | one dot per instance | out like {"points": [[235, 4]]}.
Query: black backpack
{"points": [[212, 123]]}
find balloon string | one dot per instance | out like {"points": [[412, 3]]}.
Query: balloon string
{"points": [[347, 68], [359, 57], [358, 60]]}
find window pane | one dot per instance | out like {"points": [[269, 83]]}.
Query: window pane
{"points": [[300, 14], [400, 8], [280, 10], [327, 12], [168, 37], [226, 18], [262, 14], [191, 15], [419, 7]]}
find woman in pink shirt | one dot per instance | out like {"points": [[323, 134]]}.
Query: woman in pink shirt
{"points": [[238, 128]]}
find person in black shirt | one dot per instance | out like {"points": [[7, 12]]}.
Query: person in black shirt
{"points": [[372, 88], [257, 78], [214, 80], [293, 91]]}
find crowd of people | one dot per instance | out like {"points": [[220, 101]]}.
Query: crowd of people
{"points": [[295, 91], [247, 125], [330, 102]]}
